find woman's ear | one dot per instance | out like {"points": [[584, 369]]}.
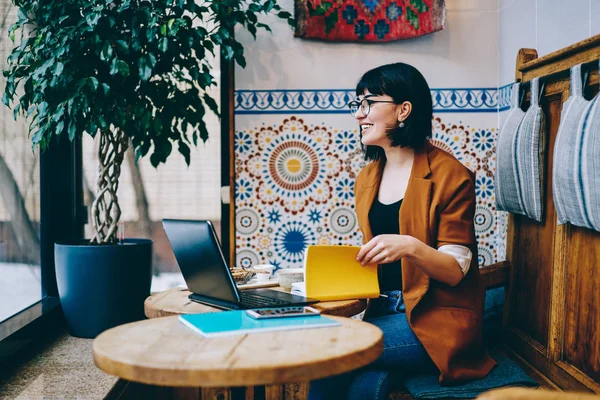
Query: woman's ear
{"points": [[404, 110]]}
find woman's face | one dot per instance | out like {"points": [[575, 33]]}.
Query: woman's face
{"points": [[381, 117]]}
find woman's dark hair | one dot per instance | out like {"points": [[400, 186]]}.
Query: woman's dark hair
{"points": [[402, 82]]}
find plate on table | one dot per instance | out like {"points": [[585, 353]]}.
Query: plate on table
{"points": [[254, 284]]}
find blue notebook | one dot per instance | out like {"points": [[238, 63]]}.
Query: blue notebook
{"points": [[238, 322]]}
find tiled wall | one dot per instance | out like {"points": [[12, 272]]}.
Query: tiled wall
{"points": [[297, 150], [545, 25]]}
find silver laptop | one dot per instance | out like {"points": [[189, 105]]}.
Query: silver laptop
{"points": [[200, 258]]}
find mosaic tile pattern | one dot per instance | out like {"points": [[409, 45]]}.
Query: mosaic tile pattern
{"points": [[336, 101], [295, 186]]}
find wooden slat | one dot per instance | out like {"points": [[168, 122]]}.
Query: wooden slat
{"points": [[581, 302], [216, 394], [561, 60], [274, 392], [494, 275], [534, 394], [557, 302], [295, 391]]}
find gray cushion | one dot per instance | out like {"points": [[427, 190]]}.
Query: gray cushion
{"points": [[508, 197], [530, 151], [567, 190], [590, 166]]}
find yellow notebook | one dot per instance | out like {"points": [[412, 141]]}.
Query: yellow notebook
{"points": [[332, 273]]}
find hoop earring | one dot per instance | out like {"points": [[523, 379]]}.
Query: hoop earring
{"points": [[401, 125]]}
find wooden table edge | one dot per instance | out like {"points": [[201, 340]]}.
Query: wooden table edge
{"points": [[333, 366]]}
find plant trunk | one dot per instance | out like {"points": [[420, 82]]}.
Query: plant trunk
{"points": [[144, 222], [22, 226], [106, 211]]}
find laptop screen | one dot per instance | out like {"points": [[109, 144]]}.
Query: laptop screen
{"points": [[198, 253]]}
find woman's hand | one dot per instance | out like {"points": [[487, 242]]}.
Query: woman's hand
{"points": [[384, 249]]}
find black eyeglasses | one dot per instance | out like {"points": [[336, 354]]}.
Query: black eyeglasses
{"points": [[364, 105]]}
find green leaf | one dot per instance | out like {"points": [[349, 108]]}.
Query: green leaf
{"points": [[92, 128], [163, 30], [58, 68], [184, 149], [284, 14], [92, 19], [105, 88], [123, 68], [16, 111], [72, 130], [151, 59], [144, 70], [94, 83], [211, 103], [59, 127], [114, 66], [268, 5], [241, 60], [107, 52], [209, 46], [122, 45], [163, 44]]}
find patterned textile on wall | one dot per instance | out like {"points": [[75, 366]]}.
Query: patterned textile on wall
{"points": [[368, 20], [295, 186]]}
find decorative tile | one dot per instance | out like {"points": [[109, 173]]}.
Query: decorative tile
{"points": [[295, 187], [336, 101]]}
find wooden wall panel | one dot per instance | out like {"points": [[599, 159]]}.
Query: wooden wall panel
{"points": [[533, 263], [553, 297], [582, 305]]}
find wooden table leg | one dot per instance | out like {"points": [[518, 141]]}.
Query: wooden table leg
{"points": [[296, 391], [289, 391], [274, 392], [216, 394]]}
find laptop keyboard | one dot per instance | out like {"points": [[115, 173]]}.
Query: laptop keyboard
{"points": [[253, 300]]}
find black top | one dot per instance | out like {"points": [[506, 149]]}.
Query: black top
{"points": [[384, 220]]}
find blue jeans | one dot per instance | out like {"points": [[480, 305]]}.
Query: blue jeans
{"points": [[402, 354]]}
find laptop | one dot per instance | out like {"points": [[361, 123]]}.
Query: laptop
{"points": [[200, 258]]}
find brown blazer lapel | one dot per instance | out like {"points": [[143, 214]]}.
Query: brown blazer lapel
{"points": [[414, 212], [369, 190], [414, 221]]}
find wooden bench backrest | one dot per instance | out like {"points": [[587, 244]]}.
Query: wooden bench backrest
{"points": [[552, 311]]}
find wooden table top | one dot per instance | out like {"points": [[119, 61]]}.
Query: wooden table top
{"points": [[164, 352], [175, 301]]}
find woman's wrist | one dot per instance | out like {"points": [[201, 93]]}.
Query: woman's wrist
{"points": [[413, 247]]}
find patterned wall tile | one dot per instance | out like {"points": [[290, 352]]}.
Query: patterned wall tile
{"points": [[295, 186], [335, 101]]}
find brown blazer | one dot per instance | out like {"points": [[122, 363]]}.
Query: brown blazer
{"points": [[438, 208]]}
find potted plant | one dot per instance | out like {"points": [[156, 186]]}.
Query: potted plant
{"points": [[129, 73]]}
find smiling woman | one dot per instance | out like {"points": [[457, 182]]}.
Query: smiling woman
{"points": [[415, 205]]}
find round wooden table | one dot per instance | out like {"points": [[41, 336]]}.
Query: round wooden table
{"points": [[164, 352], [175, 301]]}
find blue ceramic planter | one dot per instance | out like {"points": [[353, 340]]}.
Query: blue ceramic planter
{"points": [[102, 286]]}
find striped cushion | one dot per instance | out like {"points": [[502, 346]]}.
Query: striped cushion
{"points": [[565, 172], [508, 197], [578, 181], [590, 166], [529, 151]]}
